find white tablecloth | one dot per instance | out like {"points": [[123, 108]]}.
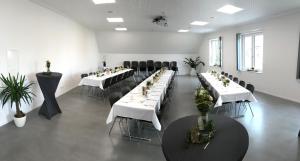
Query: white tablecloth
{"points": [[95, 81], [233, 92], [136, 106]]}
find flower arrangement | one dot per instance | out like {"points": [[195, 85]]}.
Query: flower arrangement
{"points": [[205, 130], [203, 100], [226, 82], [149, 84]]}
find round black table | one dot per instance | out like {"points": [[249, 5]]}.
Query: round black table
{"points": [[229, 144], [48, 84]]}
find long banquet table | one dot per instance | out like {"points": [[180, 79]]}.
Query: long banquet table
{"points": [[136, 106], [95, 81], [232, 93]]}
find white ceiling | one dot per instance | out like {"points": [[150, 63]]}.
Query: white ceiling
{"points": [[138, 14]]}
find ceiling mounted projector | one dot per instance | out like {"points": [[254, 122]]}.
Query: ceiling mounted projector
{"points": [[161, 21]]}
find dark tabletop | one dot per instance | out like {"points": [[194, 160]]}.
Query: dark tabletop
{"points": [[50, 75], [229, 144]]}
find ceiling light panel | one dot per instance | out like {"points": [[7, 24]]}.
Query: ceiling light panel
{"points": [[121, 29], [104, 1], [199, 23], [115, 19], [182, 30], [229, 9]]}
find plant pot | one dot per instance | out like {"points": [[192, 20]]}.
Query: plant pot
{"points": [[193, 72], [20, 122]]}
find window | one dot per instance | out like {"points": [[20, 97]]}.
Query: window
{"points": [[215, 52], [250, 51]]}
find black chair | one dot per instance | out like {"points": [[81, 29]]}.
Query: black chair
{"points": [[125, 90], [157, 65], [126, 64], [114, 80], [166, 64], [222, 72], [226, 74], [251, 88], [120, 77], [84, 75], [113, 98], [230, 77], [242, 83], [150, 66], [173, 66], [91, 73], [125, 75], [236, 80], [135, 66], [143, 66]]}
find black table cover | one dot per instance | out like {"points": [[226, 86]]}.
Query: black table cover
{"points": [[229, 144], [48, 84]]}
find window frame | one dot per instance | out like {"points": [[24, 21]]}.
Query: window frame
{"points": [[220, 51], [253, 56]]}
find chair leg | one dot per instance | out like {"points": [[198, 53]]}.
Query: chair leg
{"points": [[250, 109], [128, 129], [112, 126]]}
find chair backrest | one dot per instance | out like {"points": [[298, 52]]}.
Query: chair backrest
{"points": [[107, 83], [126, 64], [222, 72], [143, 66], [150, 65], [242, 83], [134, 65], [157, 65], [114, 97], [166, 64], [236, 79], [120, 77], [226, 74], [250, 87], [126, 75], [84, 75], [125, 90], [230, 77], [114, 80], [173, 64]]}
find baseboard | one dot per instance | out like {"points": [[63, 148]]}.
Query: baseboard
{"points": [[274, 95]]}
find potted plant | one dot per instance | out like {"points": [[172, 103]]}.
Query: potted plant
{"points": [[193, 63], [13, 91], [204, 102]]}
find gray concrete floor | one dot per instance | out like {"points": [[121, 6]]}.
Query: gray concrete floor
{"points": [[80, 132]]}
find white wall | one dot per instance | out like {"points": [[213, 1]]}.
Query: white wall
{"points": [[281, 37], [120, 46], [40, 34]]}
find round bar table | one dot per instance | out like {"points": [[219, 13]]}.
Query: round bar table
{"points": [[48, 84], [229, 144]]}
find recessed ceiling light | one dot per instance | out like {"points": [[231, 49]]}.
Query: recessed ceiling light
{"points": [[182, 30], [199, 23], [229, 9], [115, 19], [104, 1], [121, 29]]}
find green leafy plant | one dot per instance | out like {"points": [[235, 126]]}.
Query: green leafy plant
{"points": [[14, 90], [203, 100], [193, 63]]}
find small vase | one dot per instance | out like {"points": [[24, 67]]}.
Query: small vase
{"points": [[193, 72], [200, 122]]}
